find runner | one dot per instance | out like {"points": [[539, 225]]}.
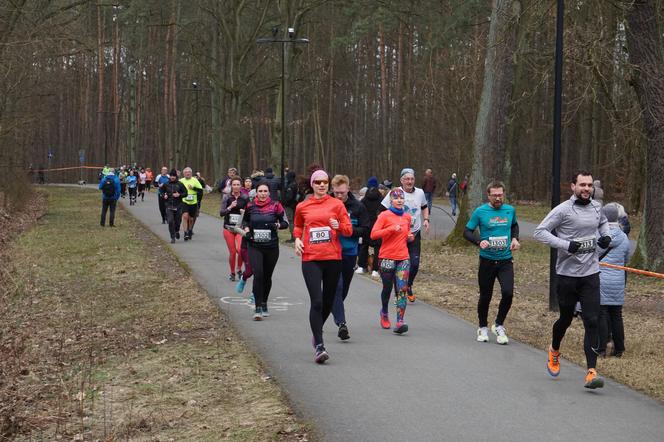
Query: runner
{"points": [[142, 179], [190, 208], [232, 205], [159, 181], [393, 227], [172, 193], [149, 176], [132, 183], [247, 186], [577, 222], [123, 181], [416, 206], [262, 218], [359, 218], [499, 236], [244, 254], [319, 221]]}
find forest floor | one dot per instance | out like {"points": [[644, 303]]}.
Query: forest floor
{"points": [[105, 336], [448, 279]]}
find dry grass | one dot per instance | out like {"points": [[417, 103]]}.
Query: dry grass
{"points": [[448, 278], [105, 336]]}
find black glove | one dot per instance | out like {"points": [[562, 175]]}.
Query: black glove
{"points": [[604, 242], [573, 246]]}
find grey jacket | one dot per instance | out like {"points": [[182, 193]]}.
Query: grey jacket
{"points": [[579, 223], [612, 281]]}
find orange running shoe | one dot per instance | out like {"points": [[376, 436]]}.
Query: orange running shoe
{"points": [[553, 365], [385, 320], [593, 380], [410, 296]]}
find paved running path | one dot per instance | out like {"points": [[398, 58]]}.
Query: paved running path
{"points": [[434, 383]]}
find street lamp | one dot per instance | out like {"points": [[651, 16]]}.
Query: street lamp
{"points": [[557, 134], [291, 39]]}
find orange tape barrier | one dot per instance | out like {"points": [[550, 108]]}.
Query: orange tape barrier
{"points": [[68, 168], [629, 269]]}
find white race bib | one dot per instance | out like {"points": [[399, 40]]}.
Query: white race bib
{"points": [[262, 235], [234, 218], [189, 198], [320, 235], [588, 245], [498, 242]]}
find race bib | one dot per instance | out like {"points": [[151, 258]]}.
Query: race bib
{"points": [[588, 245], [387, 265], [234, 218], [497, 242], [320, 235], [262, 235], [189, 198]]}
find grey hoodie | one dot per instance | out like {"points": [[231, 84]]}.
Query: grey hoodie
{"points": [[579, 223]]}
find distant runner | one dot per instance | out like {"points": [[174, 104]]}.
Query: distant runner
{"points": [[172, 193], [499, 236], [232, 206], [190, 209], [577, 222]]}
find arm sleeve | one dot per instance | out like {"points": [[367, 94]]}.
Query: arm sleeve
{"points": [[298, 222], [469, 235], [543, 231], [223, 211], [281, 217], [345, 226], [514, 230], [379, 229], [604, 226], [246, 219]]}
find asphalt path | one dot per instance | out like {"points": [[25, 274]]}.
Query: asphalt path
{"points": [[434, 383]]}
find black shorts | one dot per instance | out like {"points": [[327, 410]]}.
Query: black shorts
{"points": [[141, 187], [191, 209]]}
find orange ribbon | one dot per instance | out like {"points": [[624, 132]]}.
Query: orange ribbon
{"points": [[629, 269]]}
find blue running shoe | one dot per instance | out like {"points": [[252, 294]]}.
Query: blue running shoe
{"points": [[239, 287]]}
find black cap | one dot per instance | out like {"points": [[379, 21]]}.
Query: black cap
{"points": [[173, 173]]}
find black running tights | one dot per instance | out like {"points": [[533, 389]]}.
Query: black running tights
{"points": [[263, 262], [321, 279]]}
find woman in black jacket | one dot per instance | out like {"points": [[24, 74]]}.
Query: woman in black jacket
{"points": [[172, 193]]}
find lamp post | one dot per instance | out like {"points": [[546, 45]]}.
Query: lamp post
{"points": [[557, 133], [283, 41]]}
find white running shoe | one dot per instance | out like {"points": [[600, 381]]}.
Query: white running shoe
{"points": [[375, 274], [501, 336], [359, 270], [482, 334]]}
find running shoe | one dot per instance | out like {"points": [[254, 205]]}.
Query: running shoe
{"points": [[231, 277], [482, 334], [239, 287], [501, 336], [186, 236], [191, 233], [375, 274], [385, 320], [343, 332], [400, 328], [252, 300], [359, 270], [411, 297], [258, 314], [593, 380], [239, 274], [173, 240], [320, 354], [177, 235], [266, 314], [553, 365]]}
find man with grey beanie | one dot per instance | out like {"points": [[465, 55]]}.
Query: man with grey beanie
{"points": [[576, 223]]}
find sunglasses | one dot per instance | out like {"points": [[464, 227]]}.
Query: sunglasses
{"points": [[319, 182]]}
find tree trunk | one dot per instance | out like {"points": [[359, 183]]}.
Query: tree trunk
{"points": [[489, 146], [645, 50]]}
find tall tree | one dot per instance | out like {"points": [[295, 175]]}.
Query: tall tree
{"points": [[645, 49]]}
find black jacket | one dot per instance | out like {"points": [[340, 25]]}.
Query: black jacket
{"points": [[274, 183], [268, 217], [357, 211], [226, 201], [167, 191], [372, 201]]}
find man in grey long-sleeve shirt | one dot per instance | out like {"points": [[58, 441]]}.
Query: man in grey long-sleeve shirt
{"points": [[577, 222]]}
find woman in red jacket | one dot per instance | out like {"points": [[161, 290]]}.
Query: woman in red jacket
{"points": [[393, 228], [318, 223]]}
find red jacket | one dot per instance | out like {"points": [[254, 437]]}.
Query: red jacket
{"points": [[395, 244], [312, 226]]}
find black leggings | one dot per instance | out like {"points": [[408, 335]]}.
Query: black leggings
{"points": [[488, 271], [414, 249], [174, 218], [586, 291], [322, 298], [263, 262]]}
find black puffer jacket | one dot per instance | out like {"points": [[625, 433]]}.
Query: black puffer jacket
{"points": [[372, 201]]}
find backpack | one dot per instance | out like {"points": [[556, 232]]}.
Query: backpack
{"points": [[108, 188]]}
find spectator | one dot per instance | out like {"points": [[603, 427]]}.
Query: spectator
{"points": [[598, 192], [290, 201], [257, 176], [463, 187], [372, 201], [452, 189], [612, 285], [429, 184], [224, 185], [273, 183], [623, 219], [110, 193]]}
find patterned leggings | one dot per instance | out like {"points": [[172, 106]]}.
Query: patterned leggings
{"points": [[397, 278]]}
